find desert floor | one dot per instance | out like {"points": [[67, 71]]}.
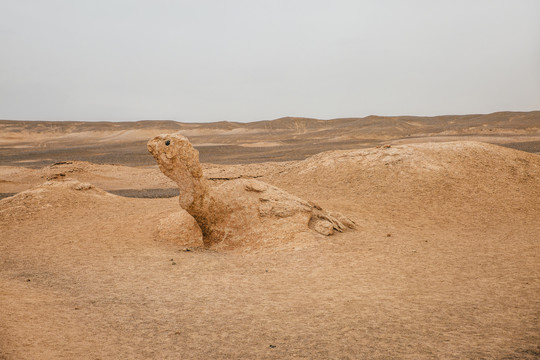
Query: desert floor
{"points": [[445, 262]]}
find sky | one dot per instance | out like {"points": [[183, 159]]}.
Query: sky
{"points": [[215, 60]]}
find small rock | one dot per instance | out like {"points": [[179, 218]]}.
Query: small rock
{"points": [[323, 227], [388, 235], [255, 187], [56, 176], [173, 263], [272, 346], [82, 186]]}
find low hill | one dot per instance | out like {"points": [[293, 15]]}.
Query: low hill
{"points": [[468, 183]]}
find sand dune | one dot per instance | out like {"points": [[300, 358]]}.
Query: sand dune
{"points": [[444, 264], [109, 177], [446, 182]]}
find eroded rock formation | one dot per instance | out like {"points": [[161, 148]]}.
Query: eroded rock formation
{"points": [[241, 212]]}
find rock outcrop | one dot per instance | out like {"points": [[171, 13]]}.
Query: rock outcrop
{"points": [[241, 212]]}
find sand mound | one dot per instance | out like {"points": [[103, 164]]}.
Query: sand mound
{"points": [[441, 182], [180, 228], [51, 196], [48, 200], [109, 177], [53, 188]]}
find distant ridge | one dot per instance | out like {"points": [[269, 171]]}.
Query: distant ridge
{"points": [[39, 143], [501, 120]]}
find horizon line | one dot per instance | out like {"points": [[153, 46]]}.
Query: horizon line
{"points": [[278, 118]]}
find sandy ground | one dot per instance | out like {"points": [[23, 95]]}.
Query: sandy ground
{"points": [[445, 262]]}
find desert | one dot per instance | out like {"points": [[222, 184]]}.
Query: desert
{"points": [[98, 260]]}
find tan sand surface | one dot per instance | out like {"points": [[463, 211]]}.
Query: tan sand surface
{"points": [[445, 263]]}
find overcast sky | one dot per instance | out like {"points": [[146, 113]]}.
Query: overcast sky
{"points": [[200, 61]]}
